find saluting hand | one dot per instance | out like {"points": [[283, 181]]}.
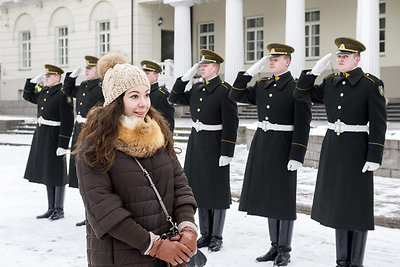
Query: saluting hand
{"points": [[257, 67], [76, 72], [190, 73], [37, 79], [321, 65]]}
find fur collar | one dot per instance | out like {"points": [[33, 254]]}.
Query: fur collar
{"points": [[139, 138]]}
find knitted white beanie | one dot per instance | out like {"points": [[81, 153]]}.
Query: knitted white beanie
{"points": [[118, 76]]}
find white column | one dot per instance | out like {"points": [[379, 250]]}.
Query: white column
{"points": [[295, 34], [368, 34], [234, 50], [182, 36]]}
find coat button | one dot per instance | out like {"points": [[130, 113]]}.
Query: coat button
{"points": [[80, 103], [341, 94], [337, 134], [204, 89], [266, 118], [42, 108], [274, 84], [197, 120], [268, 106], [84, 94], [338, 120], [339, 107], [45, 100], [79, 113], [47, 91], [270, 95], [198, 110], [201, 99], [344, 82]]}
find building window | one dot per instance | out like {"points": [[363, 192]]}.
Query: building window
{"points": [[104, 37], [206, 36], [254, 39], [382, 26], [312, 34], [62, 43], [25, 50]]}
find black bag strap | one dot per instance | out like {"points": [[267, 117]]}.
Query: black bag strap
{"points": [[153, 186]]}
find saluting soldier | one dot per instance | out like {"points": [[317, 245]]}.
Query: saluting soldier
{"points": [[277, 149], [46, 162], [351, 150], [211, 144], [88, 94], [159, 95]]}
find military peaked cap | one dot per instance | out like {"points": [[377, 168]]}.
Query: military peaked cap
{"points": [[277, 49], [91, 61], [208, 56], [150, 66], [52, 69], [348, 45]]}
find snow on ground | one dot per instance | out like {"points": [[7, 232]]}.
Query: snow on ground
{"points": [[26, 241]]}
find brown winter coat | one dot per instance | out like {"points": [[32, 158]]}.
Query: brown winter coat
{"points": [[121, 208]]}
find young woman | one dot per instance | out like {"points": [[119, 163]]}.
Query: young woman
{"points": [[125, 219]]}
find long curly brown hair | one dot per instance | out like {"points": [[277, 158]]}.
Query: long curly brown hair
{"points": [[96, 142]]}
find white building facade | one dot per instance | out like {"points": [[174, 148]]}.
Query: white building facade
{"points": [[37, 32]]}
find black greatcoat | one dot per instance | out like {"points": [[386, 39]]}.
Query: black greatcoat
{"points": [[159, 101], [209, 104], [87, 95], [269, 189], [343, 197], [44, 166]]}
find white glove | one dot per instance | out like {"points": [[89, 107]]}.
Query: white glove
{"points": [[294, 165], [370, 166], [224, 160], [76, 72], [190, 73], [61, 151], [37, 79], [257, 67], [321, 64]]}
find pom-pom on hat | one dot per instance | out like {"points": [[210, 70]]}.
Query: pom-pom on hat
{"points": [[118, 76]]}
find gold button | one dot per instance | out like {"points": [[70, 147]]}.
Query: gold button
{"points": [[341, 94], [47, 91], [344, 82], [367, 74], [42, 108], [339, 107], [44, 100], [79, 112], [266, 118], [204, 89], [338, 120], [274, 84], [41, 117], [84, 94], [268, 106], [80, 103], [198, 110], [197, 120], [201, 99], [270, 95], [337, 133]]}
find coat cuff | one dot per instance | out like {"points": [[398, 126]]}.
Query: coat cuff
{"points": [[153, 239]]}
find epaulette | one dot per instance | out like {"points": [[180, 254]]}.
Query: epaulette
{"points": [[159, 89], [371, 77], [224, 85], [331, 76], [264, 79], [62, 90]]}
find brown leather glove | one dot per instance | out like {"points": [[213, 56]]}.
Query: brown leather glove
{"points": [[187, 237], [170, 251]]}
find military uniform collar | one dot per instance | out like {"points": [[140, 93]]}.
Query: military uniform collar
{"points": [[53, 89], [212, 84], [154, 87], [281, 82], [93, 83], [353, 78]]}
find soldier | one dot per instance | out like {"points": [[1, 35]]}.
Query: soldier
{"points": [[87, 94], [352, 148], [46, 163], [277, 149], [158, 95], [211, 144]]}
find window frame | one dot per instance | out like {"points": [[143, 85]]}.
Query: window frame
{"points": [[62, 50], [107, 42], [256, 40], [308, 45], [25, 50], [382, 16], [207, 34]]}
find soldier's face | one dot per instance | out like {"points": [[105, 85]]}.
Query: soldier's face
{"points": [[52, 79], [137, 101], [152, 76], [278, 65], [209, 70], [91, 73], [347, 62]]}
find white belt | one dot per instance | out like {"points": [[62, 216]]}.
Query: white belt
{"points": [[199, 126], [80, 119], [340, 127], [48, 122], [266, 126]]}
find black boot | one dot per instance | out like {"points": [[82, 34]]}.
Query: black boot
{"points": [[343, 241], [82, 223], [50, 200], [58, 212], [205, 221], [273, 226], [358, 242], [284, 242], [217, 229]]}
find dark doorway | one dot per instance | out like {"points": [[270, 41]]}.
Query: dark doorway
{"points": [[167, 45]]}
